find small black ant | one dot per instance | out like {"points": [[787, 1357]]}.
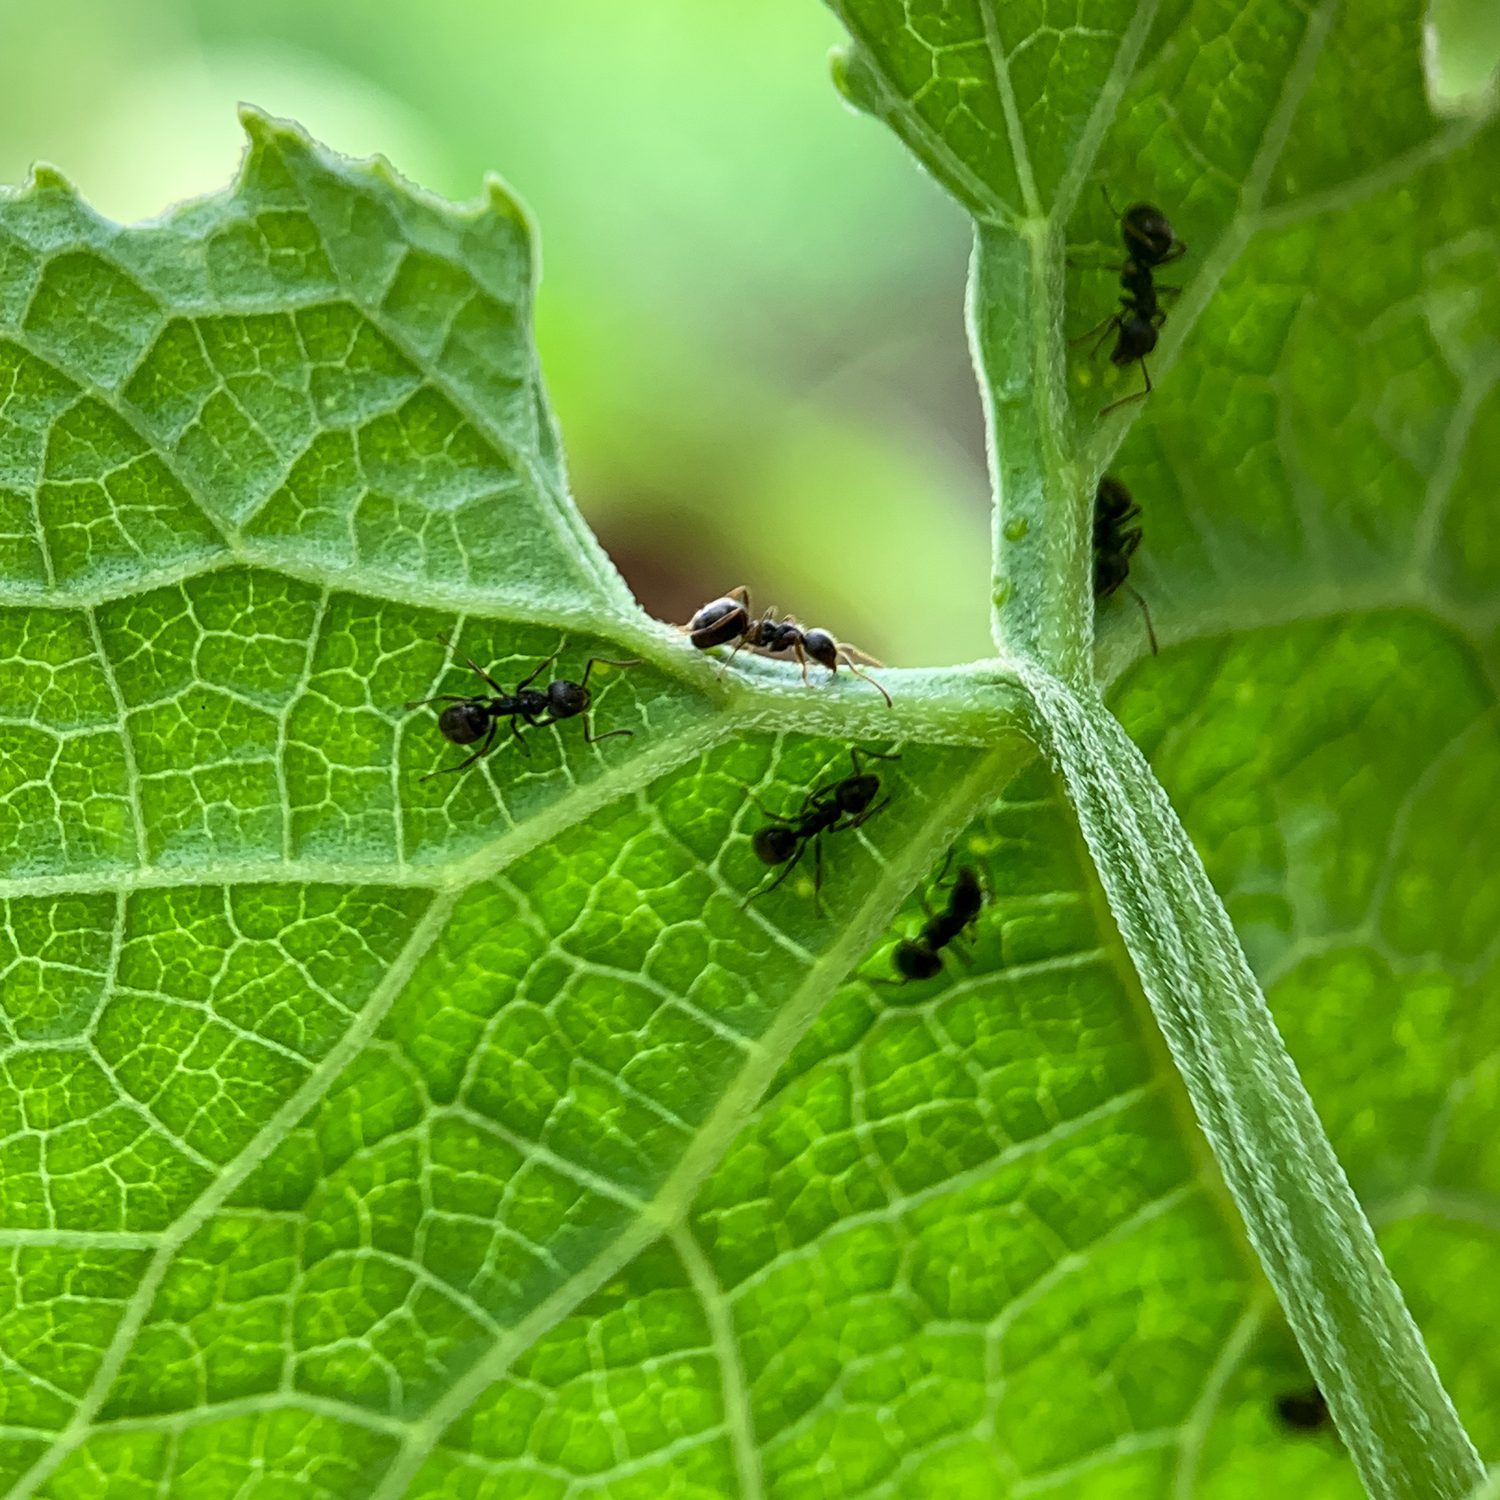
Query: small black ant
{"points": [[728, 619], [826, 809], [1115, 541], [1303, 1411], [922, 957], [467, 719], [1150, 243]]}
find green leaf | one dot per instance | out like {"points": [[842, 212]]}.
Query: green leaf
{"points": [[371, 1136], [1250, 141], [329, 1090]]}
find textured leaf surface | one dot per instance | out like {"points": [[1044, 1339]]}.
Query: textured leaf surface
{"points": [[1325, 379], [365, 1136]]}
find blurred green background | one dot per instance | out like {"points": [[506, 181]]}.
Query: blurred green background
{"points": [[751, 314]]}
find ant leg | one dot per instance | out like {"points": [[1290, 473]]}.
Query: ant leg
{"points": [[515, 729], [521, 686], [1112, 267], [1106, 325], [484, 749], [593, 739], [775, 817], [594, 661], [818, 876], [473, 665], [441, 698], [728, 660], [859, 819], [1137, 396], [1135, 594], [1109, 327], [855, 751], [786, 870]]}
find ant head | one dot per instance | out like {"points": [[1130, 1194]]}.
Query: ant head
{"points": [[822, 648], [774, 844], [465, 722], [855, 793], [566, 700], [718, 621], [913, 961], [1147, 233]]}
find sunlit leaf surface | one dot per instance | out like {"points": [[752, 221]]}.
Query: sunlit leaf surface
{"points": [[362, 1135]]}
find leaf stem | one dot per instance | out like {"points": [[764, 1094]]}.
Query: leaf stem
{"points": [[1042, 596], [1307, 1227], [1308, 1230]]}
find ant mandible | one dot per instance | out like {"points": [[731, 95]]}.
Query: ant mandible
{"points": [[728, 619], [1150, 243], [827, 809], [1115, 541], [922, 957], [467, 719]]}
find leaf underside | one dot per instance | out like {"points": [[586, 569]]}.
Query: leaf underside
{"points": [[361, 1135]]}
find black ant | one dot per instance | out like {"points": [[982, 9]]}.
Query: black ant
{"points": [[922, 957], [1303, 1411], [1115, 541], [1150, 243], [728, 619], [467, 719], [826, 809]]}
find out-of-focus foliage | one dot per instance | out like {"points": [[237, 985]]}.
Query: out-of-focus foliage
{"points": [[749, 317]]}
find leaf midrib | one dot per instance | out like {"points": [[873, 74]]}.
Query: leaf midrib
{"points": [[669, 1205]]}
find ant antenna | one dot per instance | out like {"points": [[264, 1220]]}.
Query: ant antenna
{"points": [[860, 672], [1108, 202], [1145, 615]]}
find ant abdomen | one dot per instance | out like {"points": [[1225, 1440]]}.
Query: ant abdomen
{"points": [[464, 723], [775, 844], [720, 621], [914, 961]]}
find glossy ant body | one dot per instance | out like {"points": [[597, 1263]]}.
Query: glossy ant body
{"points": [[728, 619], [1303, 1411], [469, 719], [922, 957], [1150, 243], [827, 809], [1115, 539]]}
